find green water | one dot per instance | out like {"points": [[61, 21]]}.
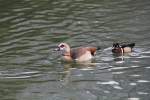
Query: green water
{"points": [[31, 29]]}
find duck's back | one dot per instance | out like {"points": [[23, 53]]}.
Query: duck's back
{"points": [[131, 45]]}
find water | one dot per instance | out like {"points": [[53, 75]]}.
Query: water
{"points": [[31, 70]]}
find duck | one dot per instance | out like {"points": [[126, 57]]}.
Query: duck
{"points": [[122, 47], [79, 54]]}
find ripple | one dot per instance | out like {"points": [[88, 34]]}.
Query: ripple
{"points": [[31, 29], [117, 87], [19, 75], [148, 67], [135, 75], [22, 9], [133, 84], [118, 68], [118, 72], [133, 98], [108, 83], [141, 93], [7, 18], [143, 81]]}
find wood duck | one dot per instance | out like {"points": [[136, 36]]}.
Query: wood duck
{"points": [[122, 47], [79, 54]]}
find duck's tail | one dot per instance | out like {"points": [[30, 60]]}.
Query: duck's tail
{"points": [[93, 50], [131, 45]]}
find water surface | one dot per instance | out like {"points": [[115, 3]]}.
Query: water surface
{"points": [[31, 70]]}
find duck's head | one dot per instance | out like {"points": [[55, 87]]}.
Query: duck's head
{"points": [[63, 47], [116, 48], [116, 45]]}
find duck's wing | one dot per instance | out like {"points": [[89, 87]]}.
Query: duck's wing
{"points": [[77, 52], [131, 45]]}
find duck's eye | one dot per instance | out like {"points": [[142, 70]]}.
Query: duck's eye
{"points": [[116, 45], [62, 46]]}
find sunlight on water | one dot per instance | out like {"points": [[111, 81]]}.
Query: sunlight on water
{"points": [[109, 83], [133, 99]]}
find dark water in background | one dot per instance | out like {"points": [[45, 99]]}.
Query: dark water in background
{"points": [[30, 29]]}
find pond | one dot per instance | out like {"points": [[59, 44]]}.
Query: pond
{"points": [[30, 69]]}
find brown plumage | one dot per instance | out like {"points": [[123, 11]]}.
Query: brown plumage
{"points": [[77, 54]]}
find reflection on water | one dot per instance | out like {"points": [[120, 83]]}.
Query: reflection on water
{"points": [[31, 70]]}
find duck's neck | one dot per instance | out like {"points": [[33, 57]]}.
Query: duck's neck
{"points": [[66, 54]]}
